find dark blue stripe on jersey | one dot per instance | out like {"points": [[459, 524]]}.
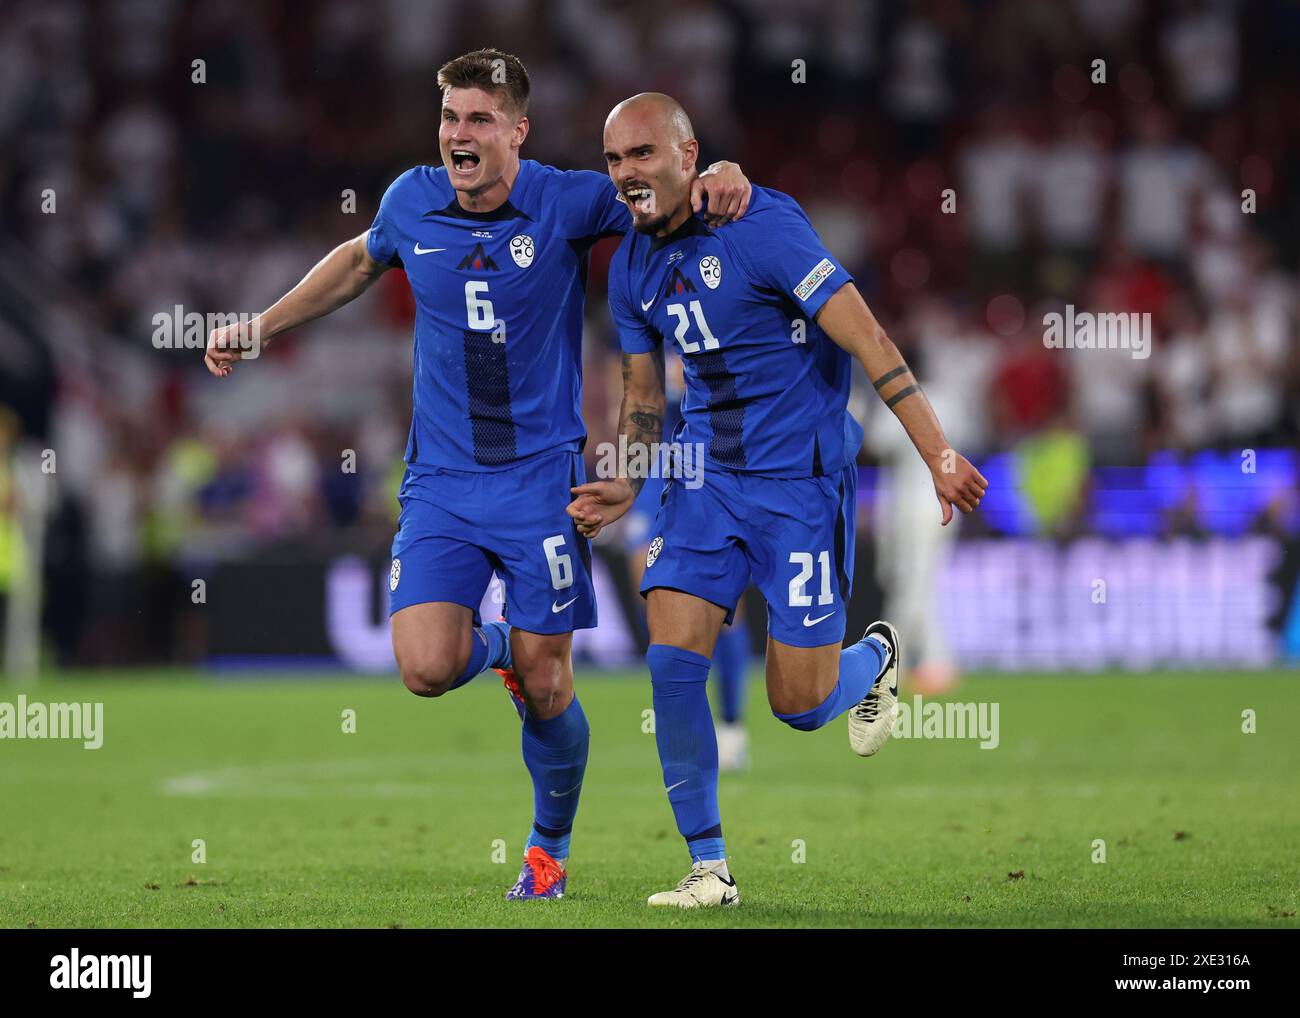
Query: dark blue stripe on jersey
{"points": [[726, 409], [582, 251], [488, 382], [584, 546], [841, 543]]}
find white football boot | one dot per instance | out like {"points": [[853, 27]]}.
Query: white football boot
{"points": [[702, 887], [733, 746], [871, 720]]}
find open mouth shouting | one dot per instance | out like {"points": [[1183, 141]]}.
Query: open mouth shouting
{"points": [[640, 198], [464, 162]]}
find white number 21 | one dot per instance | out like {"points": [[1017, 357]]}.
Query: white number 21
{"points": [[679, 312], [799, 598]]}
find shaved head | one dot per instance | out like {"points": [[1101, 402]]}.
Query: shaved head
{"points": [[650, 149], [662, 113]]}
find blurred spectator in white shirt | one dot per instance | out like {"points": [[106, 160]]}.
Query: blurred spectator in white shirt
{"points": [[1200, 46], [1159, 180]]}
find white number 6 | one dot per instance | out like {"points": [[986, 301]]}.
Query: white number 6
{"points": [[561, 565], [478, 311]]}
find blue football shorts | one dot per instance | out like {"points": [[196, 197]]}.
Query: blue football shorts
{"points": [[793, 537], [459, 526]]}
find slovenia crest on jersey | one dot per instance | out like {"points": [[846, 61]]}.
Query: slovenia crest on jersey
{"points": [[521, 250], [711, 271]]}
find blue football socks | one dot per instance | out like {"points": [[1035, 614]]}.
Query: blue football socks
{"points": [[489, 648], [555, 752], [688, 748]]}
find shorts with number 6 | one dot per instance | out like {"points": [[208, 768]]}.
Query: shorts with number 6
{"points": [[458, 526], [792, 536]]}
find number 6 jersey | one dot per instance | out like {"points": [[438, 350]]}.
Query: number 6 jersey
{"points": [[499, 311]]}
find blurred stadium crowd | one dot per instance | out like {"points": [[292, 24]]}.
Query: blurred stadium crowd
{"points": [[1169, 187]]}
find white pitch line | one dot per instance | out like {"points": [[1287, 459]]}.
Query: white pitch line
{"points": [[439, 778]]}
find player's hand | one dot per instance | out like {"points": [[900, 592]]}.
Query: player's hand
{"points": [[957, 483], [599, 503], [727, 190], [229, 344]]}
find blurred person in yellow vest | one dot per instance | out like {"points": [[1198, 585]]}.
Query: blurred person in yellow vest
{"points": [[1051, 469]]}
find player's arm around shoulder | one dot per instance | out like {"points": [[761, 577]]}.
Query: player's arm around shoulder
{"points": [[723, 192], [590, 205], [761, 238], [850, 324], [341, 276]]}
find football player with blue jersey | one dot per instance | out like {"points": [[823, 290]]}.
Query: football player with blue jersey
{"points": [[495, 250], [766, 321]]}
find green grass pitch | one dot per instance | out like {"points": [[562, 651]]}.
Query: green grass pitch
{"points": [[395, 824]]}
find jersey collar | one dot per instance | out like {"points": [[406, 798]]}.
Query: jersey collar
{"points": [[504, 212], [692, 227], [501, 213]]}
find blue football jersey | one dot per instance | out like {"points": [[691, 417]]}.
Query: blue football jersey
{"points": [[766, 388], [499, 310]]}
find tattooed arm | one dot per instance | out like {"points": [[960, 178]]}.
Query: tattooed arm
{"points": [[851, 326], [641, 419], [641, 428]]}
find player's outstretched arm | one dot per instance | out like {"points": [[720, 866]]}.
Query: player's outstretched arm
{"points": [[339, 277], [641, 422], [851, 325]]}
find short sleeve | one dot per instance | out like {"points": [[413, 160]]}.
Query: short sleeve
{"points": [[785, 253], [590, 206], [381, 241], [634, 334]]}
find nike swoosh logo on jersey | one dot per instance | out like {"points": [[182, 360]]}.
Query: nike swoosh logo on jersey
{"points": [[682, 782], [561, 795], [427, 250], [812, 622], [557, 608], [645, 305]]}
